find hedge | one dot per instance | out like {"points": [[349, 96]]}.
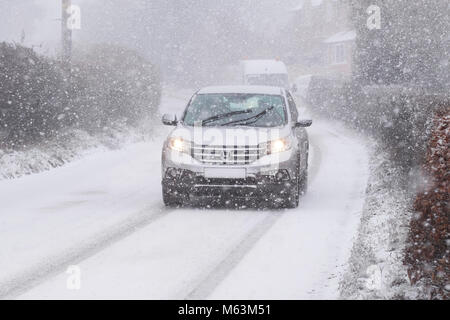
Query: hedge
{"points": [[427, 255], [106, 85], [397, 116]]}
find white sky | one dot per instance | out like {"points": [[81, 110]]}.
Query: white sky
{"points": [[39, 19]]}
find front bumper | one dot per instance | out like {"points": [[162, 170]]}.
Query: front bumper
{"points": [[266, 179], [189, 185]]}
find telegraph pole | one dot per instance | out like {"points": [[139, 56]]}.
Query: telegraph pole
{"points": [[66, 52], [66, 35]]}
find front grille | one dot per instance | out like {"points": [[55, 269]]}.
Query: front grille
{"points": [[226, 155]]}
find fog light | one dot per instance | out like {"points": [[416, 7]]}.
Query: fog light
{"points": [[282, 175], [279, 176]]}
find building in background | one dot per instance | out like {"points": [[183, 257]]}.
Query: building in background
{"points": [[323, 38], [339, 53]]}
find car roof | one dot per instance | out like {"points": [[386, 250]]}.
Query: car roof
{"points": [[242, 89]]}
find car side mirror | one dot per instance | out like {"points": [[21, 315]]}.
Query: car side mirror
{"points": [[294, 88], [169, 120], [303, 123]]}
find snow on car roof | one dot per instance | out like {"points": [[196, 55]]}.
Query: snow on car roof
{"points": [[242, 89], [264, 67]]}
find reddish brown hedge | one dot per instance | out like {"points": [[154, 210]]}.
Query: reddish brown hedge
{"points": [[427, 255]]}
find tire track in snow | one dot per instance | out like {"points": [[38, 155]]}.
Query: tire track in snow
{"points": [[206, 285], [39, 273], [225, 266]]}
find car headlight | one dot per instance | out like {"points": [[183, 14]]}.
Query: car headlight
{"points": [[180, 145], [277, 146]]}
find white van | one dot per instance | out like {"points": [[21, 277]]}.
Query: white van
{"points": [[265, 73]]}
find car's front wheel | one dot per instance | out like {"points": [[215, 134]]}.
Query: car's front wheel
{"points": [[303, 184], [292, 200]]}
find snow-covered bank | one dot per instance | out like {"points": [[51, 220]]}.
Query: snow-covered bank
{"points": [[376, 269], [67, 147]]}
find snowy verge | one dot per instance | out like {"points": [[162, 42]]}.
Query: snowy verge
{"points": [[69, 146], [376, 269]]}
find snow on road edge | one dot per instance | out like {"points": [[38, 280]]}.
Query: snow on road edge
{"points": [[69, 146], [376, 269]]}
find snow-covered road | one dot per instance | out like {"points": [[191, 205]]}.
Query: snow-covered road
{"points": [[104, 213]]}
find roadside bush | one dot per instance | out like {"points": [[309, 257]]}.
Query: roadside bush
{"points": [[107, 86], [399, 117], [30, 96], [112, 84], [428, 255], [326, 96]]}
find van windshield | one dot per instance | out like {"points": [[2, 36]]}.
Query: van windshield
{"points": [[275, 79], [255, 110]]}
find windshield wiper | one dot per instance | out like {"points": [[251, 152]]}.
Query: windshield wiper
{"points": [[252, 119], [225, 115]]}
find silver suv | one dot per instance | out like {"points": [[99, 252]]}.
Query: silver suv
{"points": [[236, 142]]}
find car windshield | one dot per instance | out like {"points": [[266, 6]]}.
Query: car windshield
{"points": [[256, 110], [277, 80]]}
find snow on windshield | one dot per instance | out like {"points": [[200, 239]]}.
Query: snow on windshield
{"points": [[205, 106]]}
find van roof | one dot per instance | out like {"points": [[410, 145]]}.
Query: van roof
{"points": [[264, 67], [242, 89]]}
